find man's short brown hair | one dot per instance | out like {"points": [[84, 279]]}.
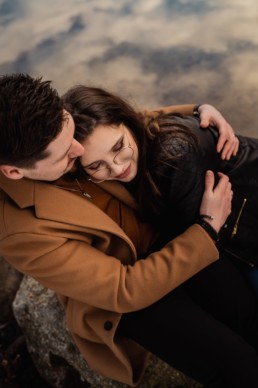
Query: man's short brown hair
{"points": [[31, 116]]}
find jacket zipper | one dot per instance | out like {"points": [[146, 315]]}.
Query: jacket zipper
{"points": [[234, 231], [244, 260]]}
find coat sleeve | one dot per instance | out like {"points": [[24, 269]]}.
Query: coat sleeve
{"points": [[186, 109], [87, 266]]}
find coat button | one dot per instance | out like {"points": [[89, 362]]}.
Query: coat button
{"points": [[108, 325]]}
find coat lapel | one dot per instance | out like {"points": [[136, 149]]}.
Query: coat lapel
{"points": [[56, 204]]}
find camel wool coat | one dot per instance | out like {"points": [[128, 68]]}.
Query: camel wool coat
{"points": [[90, 252]]}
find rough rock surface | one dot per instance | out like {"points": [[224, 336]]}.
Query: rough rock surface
{"points": [[58, 361], [16, 367]]}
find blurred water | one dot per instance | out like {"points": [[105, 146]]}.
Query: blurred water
{"points": [[154, 52]]}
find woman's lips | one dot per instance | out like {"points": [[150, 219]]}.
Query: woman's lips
{"points": [[125, 173]]}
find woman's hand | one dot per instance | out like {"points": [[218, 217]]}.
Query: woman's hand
{"points": [[228, 143], [216, 201]]}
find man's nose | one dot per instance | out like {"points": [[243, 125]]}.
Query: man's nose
{"points": [[76, 150]]}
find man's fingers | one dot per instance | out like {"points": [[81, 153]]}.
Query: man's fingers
{"points": [[204, 122], [221, 142], [223, 183], [227, 151], [236, 147], [229, 148], [209, 180]]}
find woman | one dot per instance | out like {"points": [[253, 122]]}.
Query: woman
{"points": [[206, 343], [168, 161]]}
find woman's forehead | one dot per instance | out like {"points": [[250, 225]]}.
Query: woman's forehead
{"points": [[101, 141]]}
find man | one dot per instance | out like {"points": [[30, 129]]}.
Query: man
{"points": [[84, 241]]}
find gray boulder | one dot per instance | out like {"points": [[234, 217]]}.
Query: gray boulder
{"points": [[54, 354]]}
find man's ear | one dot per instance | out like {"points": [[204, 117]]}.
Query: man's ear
{"points": [[11, 172]]}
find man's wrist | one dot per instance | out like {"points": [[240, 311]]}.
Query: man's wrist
{"points": [[196, 110], [208, 229]]}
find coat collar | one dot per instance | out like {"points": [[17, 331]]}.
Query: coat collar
{"points": [[21, 191], [53, 203]]}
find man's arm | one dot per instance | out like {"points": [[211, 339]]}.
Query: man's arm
{"points": [[83, 272], [187, 109], [228, 143]]}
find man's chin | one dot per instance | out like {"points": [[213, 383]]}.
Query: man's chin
{"points": [[73, 168]]}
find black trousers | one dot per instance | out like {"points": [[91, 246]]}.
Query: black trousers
{"points": [[207, 328]]}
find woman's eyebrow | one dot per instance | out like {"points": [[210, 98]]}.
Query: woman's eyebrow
{"points": [[118, 141]]}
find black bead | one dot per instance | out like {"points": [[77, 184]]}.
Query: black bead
{"points": [[108, 325]]}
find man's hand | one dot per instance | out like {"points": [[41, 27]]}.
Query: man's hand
{"points": [[228, 143], [216, 201]]}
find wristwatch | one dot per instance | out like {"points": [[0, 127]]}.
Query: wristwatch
{"points": [[196, 110]]}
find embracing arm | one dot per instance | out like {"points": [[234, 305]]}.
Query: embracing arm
{"points": [[187, 109], [95, 264], [81, 271], [98, 267], [228, 143]]}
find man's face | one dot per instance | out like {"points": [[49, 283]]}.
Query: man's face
{"points": [[63, 151]]}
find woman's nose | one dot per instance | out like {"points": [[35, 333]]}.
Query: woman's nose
{"points": [[116, 169]]}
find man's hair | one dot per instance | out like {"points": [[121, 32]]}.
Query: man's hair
{"points": [[31, 117]]}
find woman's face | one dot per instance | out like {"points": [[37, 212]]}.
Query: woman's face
{"points": [[110, 154]]}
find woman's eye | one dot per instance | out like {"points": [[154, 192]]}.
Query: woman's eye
{"points": [[119, 146], [95, 166]]}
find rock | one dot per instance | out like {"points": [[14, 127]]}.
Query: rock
{"points": [[10, 280], [41, 318]]}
